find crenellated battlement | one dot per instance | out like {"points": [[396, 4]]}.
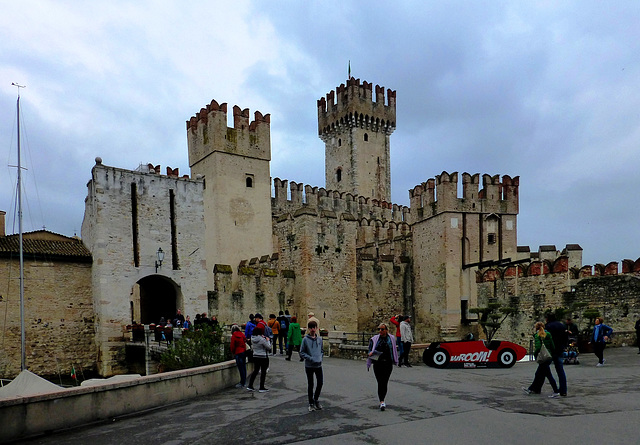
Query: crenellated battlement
{"points": [[207, 132], [319, 200], [440, 194], [560, 265], [352, 105], [155, 170]]}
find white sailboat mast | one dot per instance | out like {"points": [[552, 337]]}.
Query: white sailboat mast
{"points": [[23, 365]]}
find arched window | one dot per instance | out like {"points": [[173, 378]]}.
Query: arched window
{"points": [[366, 137], [249, 181], [339, 175]]}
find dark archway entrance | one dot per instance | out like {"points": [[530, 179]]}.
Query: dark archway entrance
{"points": [[158, 298]]}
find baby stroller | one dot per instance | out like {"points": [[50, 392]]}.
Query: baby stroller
{"points": [[571, 353]]}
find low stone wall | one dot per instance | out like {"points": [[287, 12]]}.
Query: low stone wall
{"points": [[357, 352], [28, 416]]}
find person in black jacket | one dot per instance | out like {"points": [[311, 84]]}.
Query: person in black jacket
{"points": [[558, 333]]}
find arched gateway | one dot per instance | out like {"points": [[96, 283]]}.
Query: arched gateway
{"points": [[153, 297]]}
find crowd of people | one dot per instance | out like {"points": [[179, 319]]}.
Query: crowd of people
{"points": [[261, 339], [284, 334], [180, 321]]}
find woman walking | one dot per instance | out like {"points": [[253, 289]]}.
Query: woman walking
{"points": [[238, 351], [542, 337], [261, 346], [382, 354], [294, 337], [601, 334]]}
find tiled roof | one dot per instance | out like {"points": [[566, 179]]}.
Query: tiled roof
{"points": [[63, 248]]}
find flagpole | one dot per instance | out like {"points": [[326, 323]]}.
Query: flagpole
{"points": [[23, 359]]}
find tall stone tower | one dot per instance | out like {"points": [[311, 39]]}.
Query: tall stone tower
{"points": [[234, 162], [356, 132], [452, 238]]}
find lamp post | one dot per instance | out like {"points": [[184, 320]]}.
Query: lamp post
{"points": [[159, 258]]}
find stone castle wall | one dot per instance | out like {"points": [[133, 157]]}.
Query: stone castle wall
{"points": [[543, 286], [128, 216]]}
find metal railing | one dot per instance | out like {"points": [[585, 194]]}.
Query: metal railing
{"points": [[358, 338]]}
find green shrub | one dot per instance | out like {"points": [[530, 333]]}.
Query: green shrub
{"points": [[200, 347]]}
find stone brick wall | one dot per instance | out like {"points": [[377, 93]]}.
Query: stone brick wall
{"points": [[616, 297], [59, 317], [384, 290]]}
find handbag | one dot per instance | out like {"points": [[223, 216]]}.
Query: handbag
{"points": [[544, 356]]}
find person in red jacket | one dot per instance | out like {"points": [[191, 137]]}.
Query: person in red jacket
{"points": [[396, 319], [238, 350]]}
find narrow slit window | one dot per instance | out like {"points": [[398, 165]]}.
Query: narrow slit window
{"points": [[134, 225]]}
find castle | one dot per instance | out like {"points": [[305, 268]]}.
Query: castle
{"points": [[235, 241]]}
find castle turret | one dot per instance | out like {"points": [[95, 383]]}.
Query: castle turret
{"points": [[234, 162], [452, 236], [356, 131]]}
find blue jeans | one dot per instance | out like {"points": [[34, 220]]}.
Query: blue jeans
{"points": [[242, 367], [558, 362]]}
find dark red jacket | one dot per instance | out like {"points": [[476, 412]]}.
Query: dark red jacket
{"points": [[397, 323], [238, 343]]}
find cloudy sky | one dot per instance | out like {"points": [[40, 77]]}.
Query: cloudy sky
{"points": [[545, 90]]}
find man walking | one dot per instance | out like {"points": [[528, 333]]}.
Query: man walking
{"points": [[407, 339], [558, 333], [312, 317]]}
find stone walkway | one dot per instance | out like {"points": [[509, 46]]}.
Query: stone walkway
{"points": [[424, 405]]}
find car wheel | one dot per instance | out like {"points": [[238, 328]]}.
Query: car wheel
{"points": [[427, 357], [507, 358], [440, 358]]}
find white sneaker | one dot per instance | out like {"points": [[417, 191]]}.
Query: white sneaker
{"points": [[382, 406], [599, 364], [554, 395]]}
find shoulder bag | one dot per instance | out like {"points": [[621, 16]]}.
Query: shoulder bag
{"points": [[544, 356]]}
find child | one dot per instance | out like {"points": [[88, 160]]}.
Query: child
{"points": [[311, 352]]}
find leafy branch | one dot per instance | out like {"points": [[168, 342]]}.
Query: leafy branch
{"points": [[491, 317]]}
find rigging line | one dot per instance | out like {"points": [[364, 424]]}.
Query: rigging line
{"points": [[32, 171]]}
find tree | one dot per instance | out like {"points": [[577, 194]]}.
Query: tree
{"points": [[489, 317]]}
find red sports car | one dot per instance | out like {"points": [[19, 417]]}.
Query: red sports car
{"points": [[473, 354]]}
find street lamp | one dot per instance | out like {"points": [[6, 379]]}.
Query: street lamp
{"points": [[159, 258]]}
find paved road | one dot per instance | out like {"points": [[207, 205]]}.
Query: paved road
{"points": [[425, 405]]}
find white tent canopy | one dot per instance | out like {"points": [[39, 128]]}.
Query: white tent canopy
{"points": [[28, 384]]}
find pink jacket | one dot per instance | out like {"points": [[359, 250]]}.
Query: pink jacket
{"points": [[394, 351]]}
